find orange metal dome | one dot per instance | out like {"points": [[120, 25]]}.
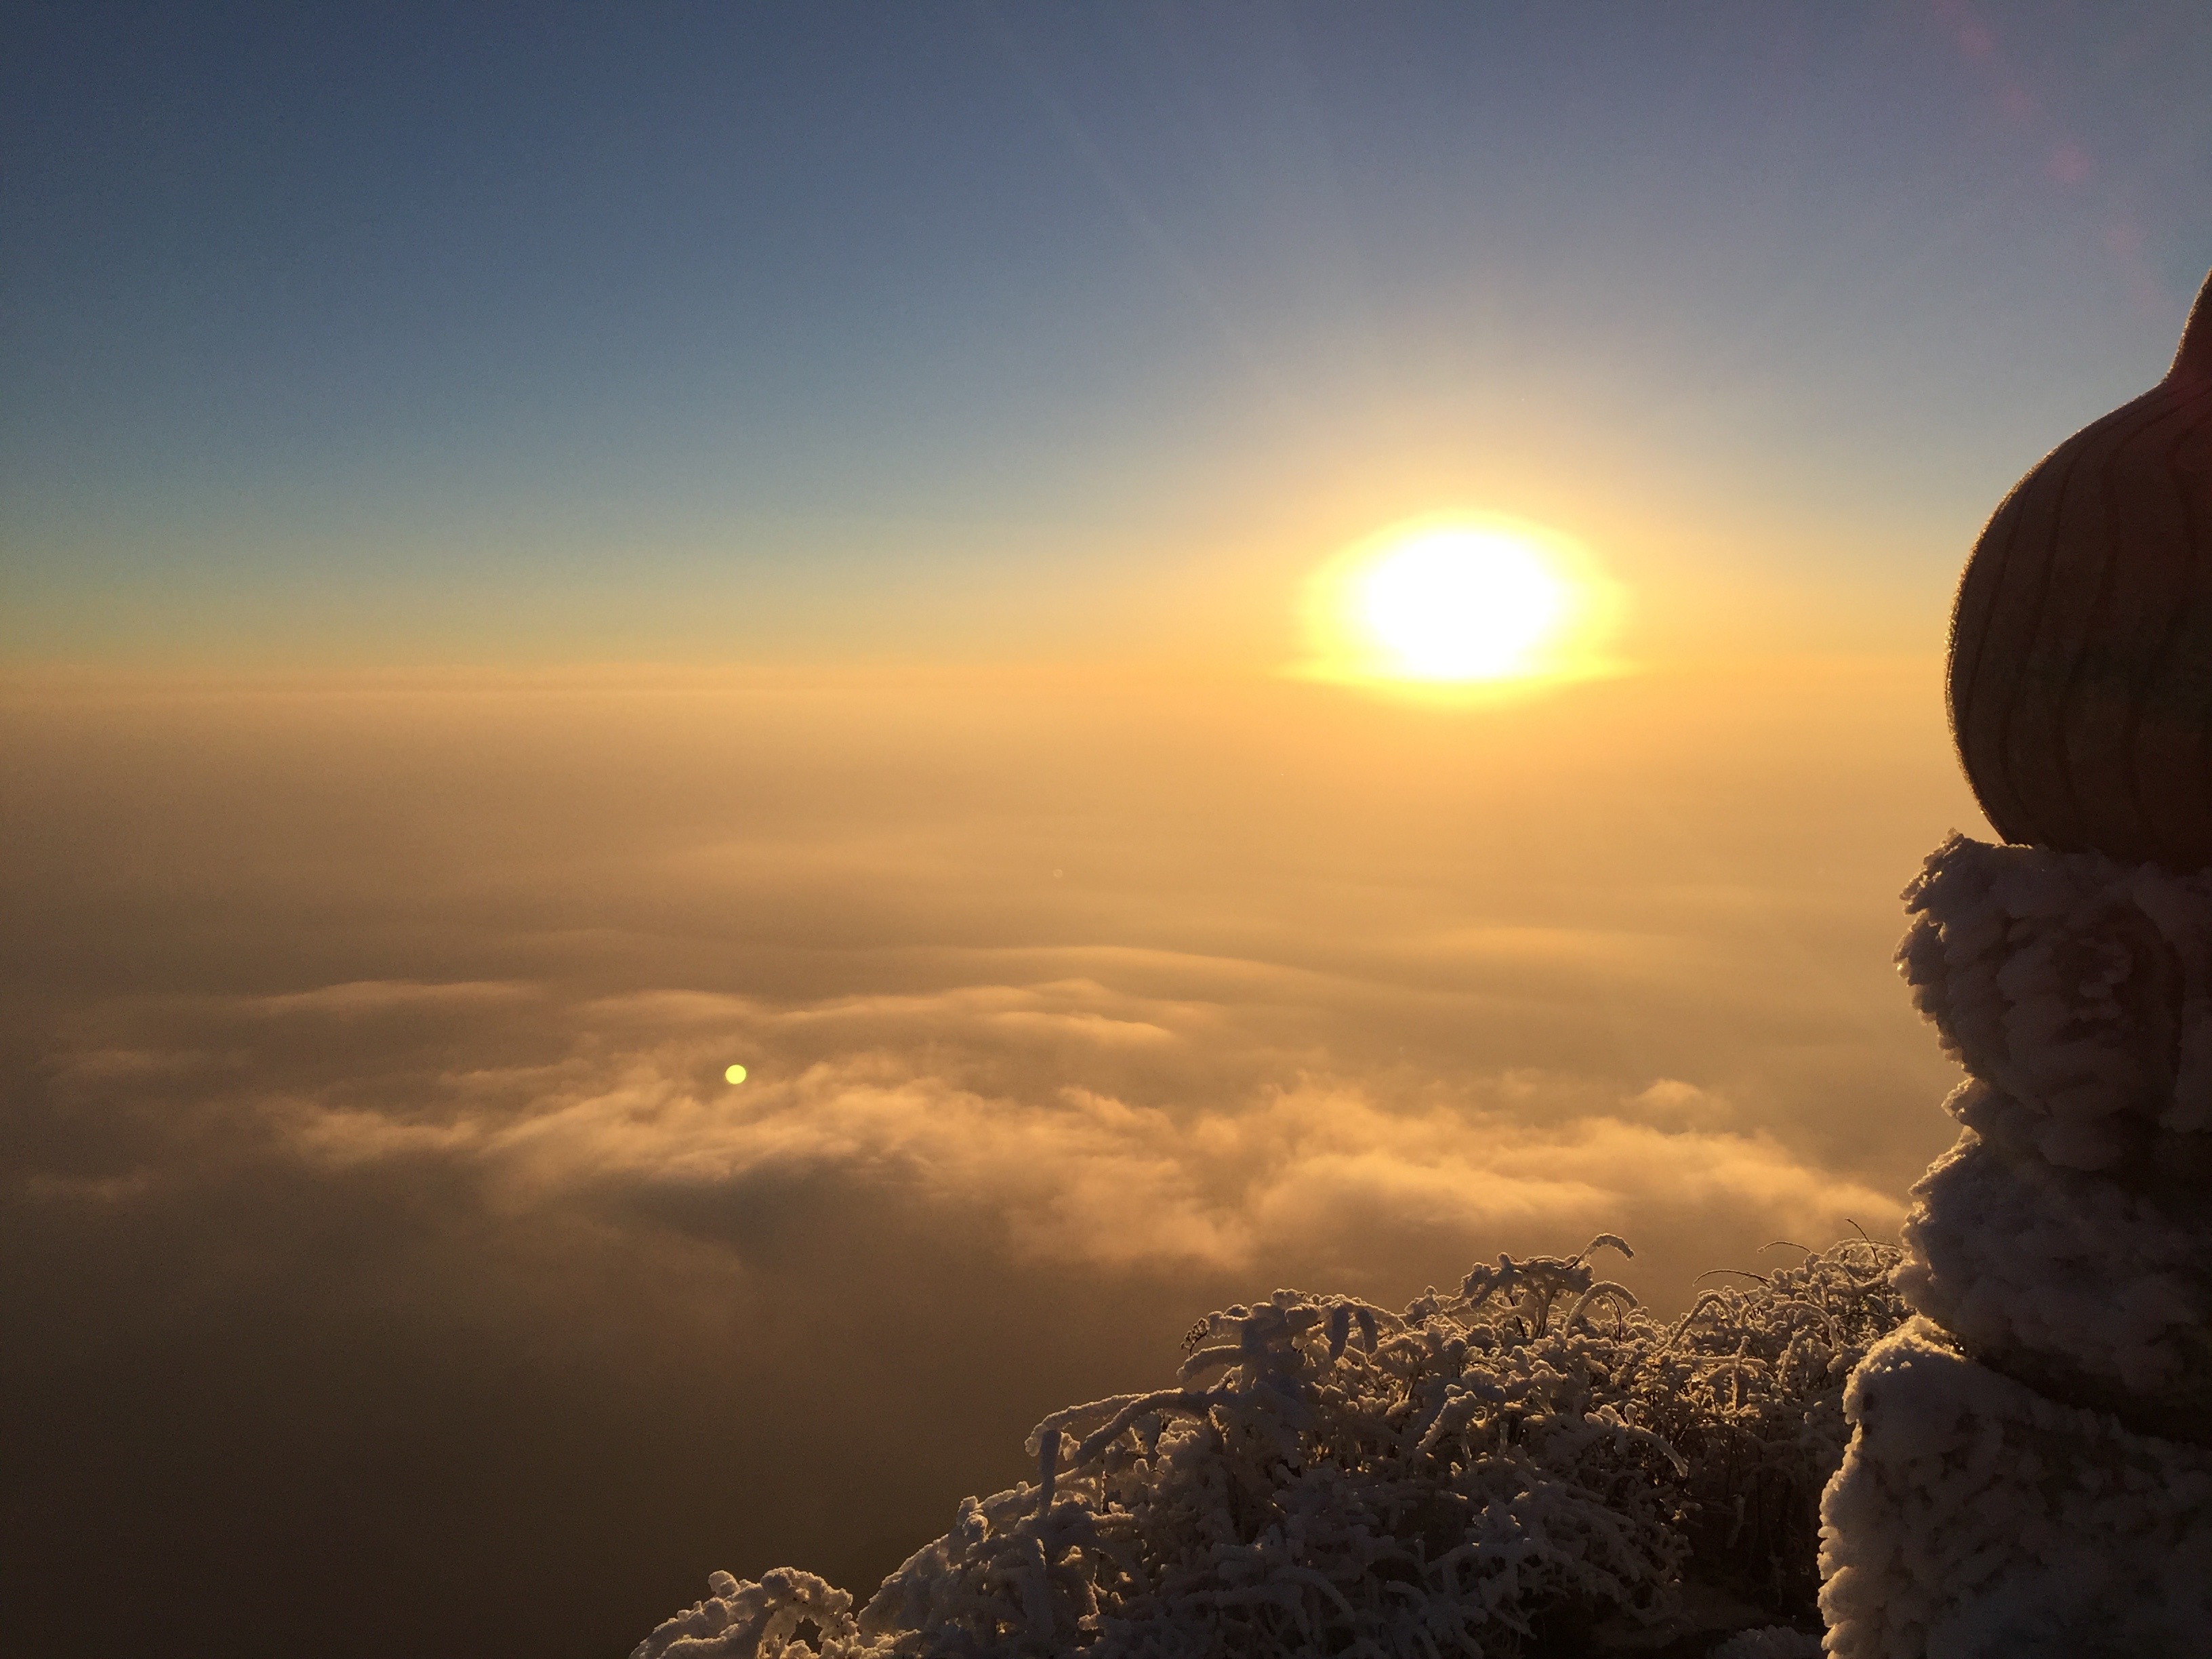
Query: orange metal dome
{"points": [[2081, 676]]}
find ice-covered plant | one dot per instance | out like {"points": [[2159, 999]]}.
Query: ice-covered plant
{"points": [[1532, 1461], [1748, 1388]]}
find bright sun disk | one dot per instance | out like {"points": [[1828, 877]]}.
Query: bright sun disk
{"points": [[1465, 603], [1462, 605]]}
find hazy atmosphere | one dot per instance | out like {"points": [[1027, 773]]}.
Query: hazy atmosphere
{"points": [[552, 553]]}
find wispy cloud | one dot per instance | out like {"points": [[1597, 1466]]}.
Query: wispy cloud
{"points": [[1238, 1155]]}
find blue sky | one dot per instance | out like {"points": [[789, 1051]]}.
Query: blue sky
{"points": [[718, 332]]}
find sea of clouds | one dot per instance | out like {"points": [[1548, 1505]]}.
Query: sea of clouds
{"points": [[381, 1232]]}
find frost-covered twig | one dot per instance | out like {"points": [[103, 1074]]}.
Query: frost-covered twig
{"points": [[1329, 1477]]}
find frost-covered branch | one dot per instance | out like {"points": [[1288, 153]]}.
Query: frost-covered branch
{"points": [[1326, 1476]]}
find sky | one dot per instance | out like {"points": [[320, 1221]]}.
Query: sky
{"points": [[546, 552]]}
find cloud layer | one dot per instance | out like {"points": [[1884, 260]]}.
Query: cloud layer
{"points": [[376, 1202], [1063, 1111]]}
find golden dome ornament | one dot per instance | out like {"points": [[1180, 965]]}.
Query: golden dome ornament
{"points": [[2058, 1258], [2081, 671]]}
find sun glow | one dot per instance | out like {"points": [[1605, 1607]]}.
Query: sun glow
{"points": [[1458, 603]]}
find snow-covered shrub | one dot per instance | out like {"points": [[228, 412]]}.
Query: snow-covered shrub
{"points": [[1769, 1642], [752, 1618], [1748, 1390], [1530, 1463]]}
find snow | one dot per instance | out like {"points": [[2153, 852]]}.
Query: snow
{"points": [[737, 1620], [1769, 1642], [2079, 989], [2031, 1467], [1531, 1454], [1975, 1519]]}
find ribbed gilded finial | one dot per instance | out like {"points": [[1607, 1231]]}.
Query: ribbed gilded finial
{"points": [[2080, 680], [2194, 358]]}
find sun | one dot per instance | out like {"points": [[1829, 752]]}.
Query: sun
{"points": [[1457, 602], [1460, 605]]}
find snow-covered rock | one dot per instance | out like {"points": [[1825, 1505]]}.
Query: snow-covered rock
{"points": [[2030, 1472], [1973, 1518]]}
